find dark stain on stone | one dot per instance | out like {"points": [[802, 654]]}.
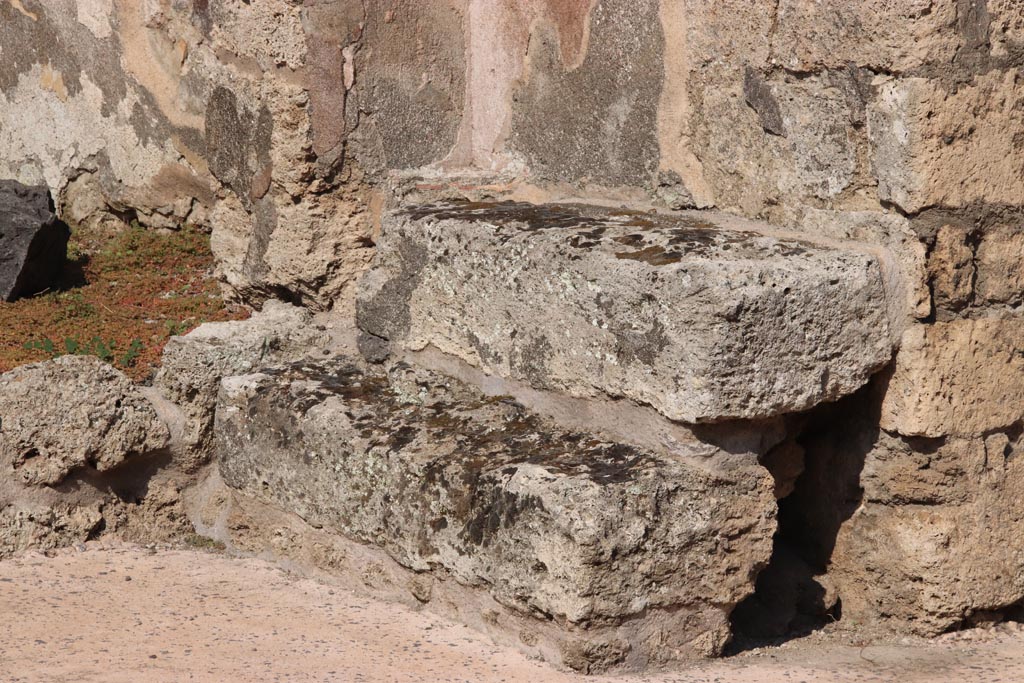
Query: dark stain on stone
{"points": [[598, 120], [402, 437], [519, 214], [237, 142], [264, 224], [653, 255], [201, 15], [492, 433], [973, 22], [500, 509], [529, 360], [657, 240], [759, 96], [386, 313], [641, 347], [373, 348], [29, 42], [408, 98]]}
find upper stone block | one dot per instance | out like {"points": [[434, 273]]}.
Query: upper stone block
{"points": [[703, 316]]}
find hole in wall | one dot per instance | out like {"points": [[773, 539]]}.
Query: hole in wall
{"points": [[817, 476]]}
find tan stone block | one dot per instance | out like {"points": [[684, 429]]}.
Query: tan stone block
{"points": [[951, 268], [903, 259], [1001, 267], [1007, 26], [935, 539], [878, 33], [935, 147], [960, 377]]}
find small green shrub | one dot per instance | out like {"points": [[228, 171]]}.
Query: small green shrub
{"points": [[105, 350]]}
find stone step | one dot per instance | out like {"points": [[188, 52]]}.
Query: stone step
{"points": [[601, 554], [704, 317]]}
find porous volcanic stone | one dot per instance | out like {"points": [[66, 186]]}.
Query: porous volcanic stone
{"points": [[70, 413], [702, 316], [624, 553], [193, 364], [33, 241]]}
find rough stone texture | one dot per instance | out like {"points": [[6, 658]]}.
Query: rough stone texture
{"points": [[33, 243], [1006, 32], [410, 99], [805, 152], [951, 268], [636, 556], [888, 36], [44, 527], [286, 127], [1000, 273], [71, 413], [71, 108], [80, 446], [592, 119], [899, 250], [193, 365], [936, 147], [212, 113], [962, 377], [934, 544], [702, 319]]}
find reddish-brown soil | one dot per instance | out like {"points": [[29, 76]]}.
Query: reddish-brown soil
{"points": [[123, 293]]}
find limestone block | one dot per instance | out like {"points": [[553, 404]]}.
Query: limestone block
{"points": [[901, 252], [890, 36], [951, 267], [25, 525], [192, 365], [614, 547], [702, 316], [936, 147], [71, 413], [1001, 266], [960, 377], [935, 542], [1006, 30]]}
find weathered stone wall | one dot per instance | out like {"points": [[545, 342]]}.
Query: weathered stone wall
{"points": [[286, 127]]}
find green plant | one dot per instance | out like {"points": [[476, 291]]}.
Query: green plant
{"points": [[104, 350], [130, 356], [45, 345], [203, 543], [175, 328]]}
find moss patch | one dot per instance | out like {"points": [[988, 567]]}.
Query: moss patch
{"points": [[122, 295]]}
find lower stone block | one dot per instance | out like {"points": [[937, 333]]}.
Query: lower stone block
{"points": [[615, 555]]}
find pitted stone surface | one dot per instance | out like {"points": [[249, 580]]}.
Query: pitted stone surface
{"points": [[71, 413], [701, 316], [625, 552], [193, 364]]}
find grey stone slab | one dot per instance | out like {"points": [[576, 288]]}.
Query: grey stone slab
{"points": [[620, 549], [703, 316]]}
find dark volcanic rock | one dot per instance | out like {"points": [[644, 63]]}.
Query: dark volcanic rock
{"points": [[33, 241]]}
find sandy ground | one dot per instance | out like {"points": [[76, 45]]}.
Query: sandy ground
{"points": [[117, 613]]}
